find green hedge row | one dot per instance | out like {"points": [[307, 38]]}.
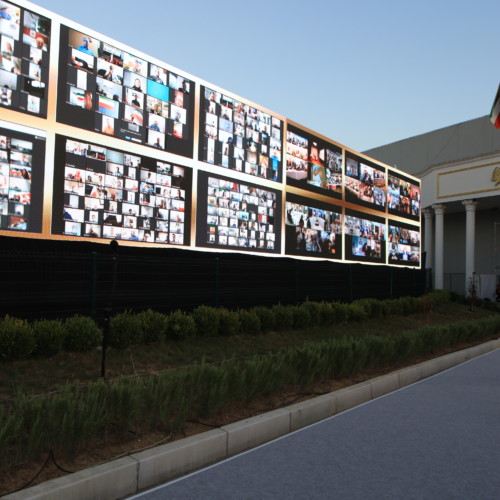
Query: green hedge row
{"points": [[64, 421], [19, 339]]}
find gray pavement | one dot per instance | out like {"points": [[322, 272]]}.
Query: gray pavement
{"points": [[436, 439]]}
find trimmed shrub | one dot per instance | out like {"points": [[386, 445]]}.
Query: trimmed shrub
{"points": [[17, 339], [327, 314], [153, 325], [266, 316], [438, 297], [314, 309], [125, 329], [82, 334], [179, 325], [356, 312], [283, 317], [374, 308], [249, 321], [301, 316], [49, 337], [341, 311], [229, 322], [207, 321]]}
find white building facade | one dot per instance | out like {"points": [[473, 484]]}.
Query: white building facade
{"points": [[460, 171]]}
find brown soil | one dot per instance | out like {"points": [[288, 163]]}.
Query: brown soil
{"points": [[98, 452]]}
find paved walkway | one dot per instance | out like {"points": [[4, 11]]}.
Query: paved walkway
{"points": [[436, 439]]}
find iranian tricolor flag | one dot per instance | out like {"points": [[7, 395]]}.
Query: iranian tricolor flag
{"points": [[495, 110]]}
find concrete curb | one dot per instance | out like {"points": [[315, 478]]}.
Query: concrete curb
{"points": [[129, 475]]}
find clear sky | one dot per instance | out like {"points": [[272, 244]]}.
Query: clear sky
{"points": [[362, 72]]}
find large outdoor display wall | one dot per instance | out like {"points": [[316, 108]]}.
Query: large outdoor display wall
{"points": [[99, 141]]}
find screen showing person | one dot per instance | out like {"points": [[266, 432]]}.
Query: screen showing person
{"points": [[365, 183], [124, 78], [103, 193], [365, 237], [233, 132], [404, 244], [403, 196], [312, 163], [311, 230]]}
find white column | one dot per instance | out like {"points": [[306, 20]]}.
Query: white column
{"points": [[470, 235], [438, 258], [428, 214]]}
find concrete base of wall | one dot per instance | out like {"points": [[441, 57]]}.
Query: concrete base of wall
{"points": [[129, 475]]}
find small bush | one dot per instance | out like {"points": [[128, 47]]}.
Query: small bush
{"points": [[374, 308], [438, 297], [153, 325], [125, 329], [314, 309], [229, 322], [17, 339], [82, 334], [283, 317], [250, 322], [327, 314], [49, 337], [179, 325], [356, 312], [301, 316], [207, 321], [266, 316], [341, 311]]}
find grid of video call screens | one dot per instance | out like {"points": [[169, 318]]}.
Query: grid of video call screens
{"points": [[365, 237], [404, 244], [365, 184], [403, 197], [237, 215], [24, 59], [239, 137], [21, 180], [108, 90], [116, 195], [311, 230], [312, 163]]}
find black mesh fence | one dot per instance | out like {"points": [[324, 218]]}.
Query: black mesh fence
{"points": [[42, 278]]}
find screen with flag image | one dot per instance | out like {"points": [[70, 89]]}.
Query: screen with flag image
{"points": [[105, 89], [313, 163]]}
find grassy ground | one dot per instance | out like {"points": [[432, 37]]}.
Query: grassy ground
{"points": [[38, 376]]}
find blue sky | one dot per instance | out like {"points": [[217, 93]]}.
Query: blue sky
{"points": [[363, 73]]}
